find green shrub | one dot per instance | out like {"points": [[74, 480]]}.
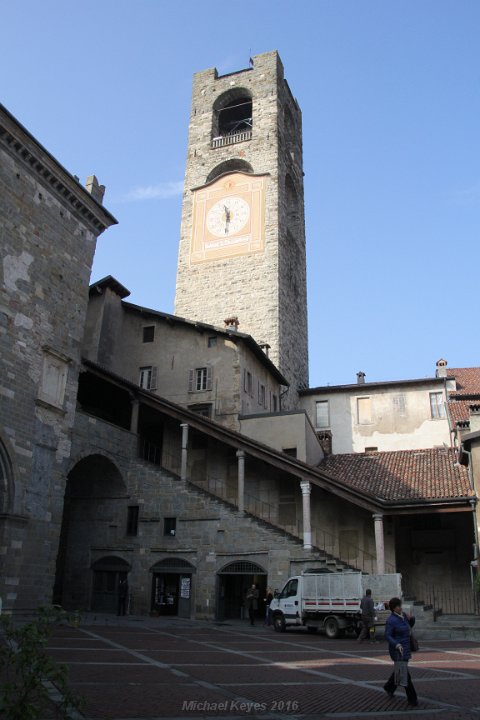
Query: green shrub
{"points": [[26, 670]]}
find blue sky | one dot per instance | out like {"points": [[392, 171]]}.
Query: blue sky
{"points": [[390, 95]]}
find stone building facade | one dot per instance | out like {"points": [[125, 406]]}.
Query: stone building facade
{"points": [[220, 373], [242, 246], [48, 233], [383, 416]]}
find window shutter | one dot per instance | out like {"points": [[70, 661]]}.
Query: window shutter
{"points": [[190, 381], [209, 378], [153, 381]]}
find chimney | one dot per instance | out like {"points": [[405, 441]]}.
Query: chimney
{"points": [[474, 417], [360, 378], [96, 191], [265, 347], [231, 323], [441, 370]]}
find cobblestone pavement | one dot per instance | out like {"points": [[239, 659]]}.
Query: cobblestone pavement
{"points": [[144, 668]]}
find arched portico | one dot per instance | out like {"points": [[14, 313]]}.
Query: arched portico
{"points": [[94, 513], [233, 580]]}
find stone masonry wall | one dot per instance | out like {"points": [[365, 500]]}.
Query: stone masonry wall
{"points": [[210, 533], [267, 291], [47, 252]]}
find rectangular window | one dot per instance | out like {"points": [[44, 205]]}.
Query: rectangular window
{"points": [[53, 380], [248, 382], [261, 395], [148, 333], [212, 341], [169, 526], [400, 405], [364, 410], [275, 403], [436, 405], [132, 520], [148, 378], [203, 410], [322, 414], [200, 379]]}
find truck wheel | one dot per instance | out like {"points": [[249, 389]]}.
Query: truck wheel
{"points": [[331, 628], [279, 623], [312, 629]]}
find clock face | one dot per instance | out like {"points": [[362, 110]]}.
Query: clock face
{"points": [[228, 216]]}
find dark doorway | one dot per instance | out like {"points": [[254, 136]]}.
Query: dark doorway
{"points": [[232, 585], [107, 574]]}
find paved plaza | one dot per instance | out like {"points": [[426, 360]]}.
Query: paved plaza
{"points": [[147, 668]]}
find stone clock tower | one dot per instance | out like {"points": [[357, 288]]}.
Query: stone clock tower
{"points": [[242, 246]]}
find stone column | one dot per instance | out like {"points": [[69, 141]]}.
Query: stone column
{"points": [[183, 467], [241, 481], [134, 415], [379, 543], [307, 525]]}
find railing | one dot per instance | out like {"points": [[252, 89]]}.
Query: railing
{"points": [[225, 140], [327, 542], [445, 600]]}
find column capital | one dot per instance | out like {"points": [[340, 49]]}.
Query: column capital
{"points": [[377, 516], [184, 425], [306, 487], [240, 454]]}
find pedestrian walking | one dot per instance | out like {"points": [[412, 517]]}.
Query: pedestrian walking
{"points": [[367, 609], [251, 602], [268, 612], [397, 633]]}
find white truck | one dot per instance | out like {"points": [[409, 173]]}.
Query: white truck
{"points": [[332, 601]]}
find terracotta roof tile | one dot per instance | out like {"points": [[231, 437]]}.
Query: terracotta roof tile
{"points": [[459, 411], [403, 475], [467, 380]]}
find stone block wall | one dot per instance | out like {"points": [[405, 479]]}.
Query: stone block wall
{"points": [[267, 290], [48, 229]]}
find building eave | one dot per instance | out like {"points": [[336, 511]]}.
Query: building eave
{"points": [[25, 149]]}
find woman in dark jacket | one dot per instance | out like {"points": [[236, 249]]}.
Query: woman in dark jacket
{"points": [[397, 633]]}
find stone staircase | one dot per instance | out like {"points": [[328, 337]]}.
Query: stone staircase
{"points": [[197, 498], [429, 625]]}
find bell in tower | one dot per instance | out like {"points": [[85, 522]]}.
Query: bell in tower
{"points": [[242, 245]]}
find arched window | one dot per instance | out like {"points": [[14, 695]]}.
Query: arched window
{"points": [[229, 166], [232, 117], [242, 567]]}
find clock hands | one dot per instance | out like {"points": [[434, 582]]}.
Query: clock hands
{"points": [[227, 219]]}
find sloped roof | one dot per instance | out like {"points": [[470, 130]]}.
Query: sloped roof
{"points": [[459, 411], [467, 393], [397, 476], [467, 381]]}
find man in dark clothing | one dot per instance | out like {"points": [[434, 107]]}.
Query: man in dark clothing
{"points": [[367, 609], [122, 596], [251, 602]]}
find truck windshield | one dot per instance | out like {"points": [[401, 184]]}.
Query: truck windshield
{"points": [[290, 589]]}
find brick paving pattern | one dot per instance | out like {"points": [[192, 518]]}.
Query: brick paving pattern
{"points": [[146, 669]]}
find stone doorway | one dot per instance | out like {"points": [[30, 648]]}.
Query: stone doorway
{"points": [[107, 573], [233, 582], [172, 587]]}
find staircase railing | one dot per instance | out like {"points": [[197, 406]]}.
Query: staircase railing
{"points": [[347, 553], [443, 600]]}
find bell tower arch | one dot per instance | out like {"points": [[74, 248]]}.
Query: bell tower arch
{"points": [[242, 244]]}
